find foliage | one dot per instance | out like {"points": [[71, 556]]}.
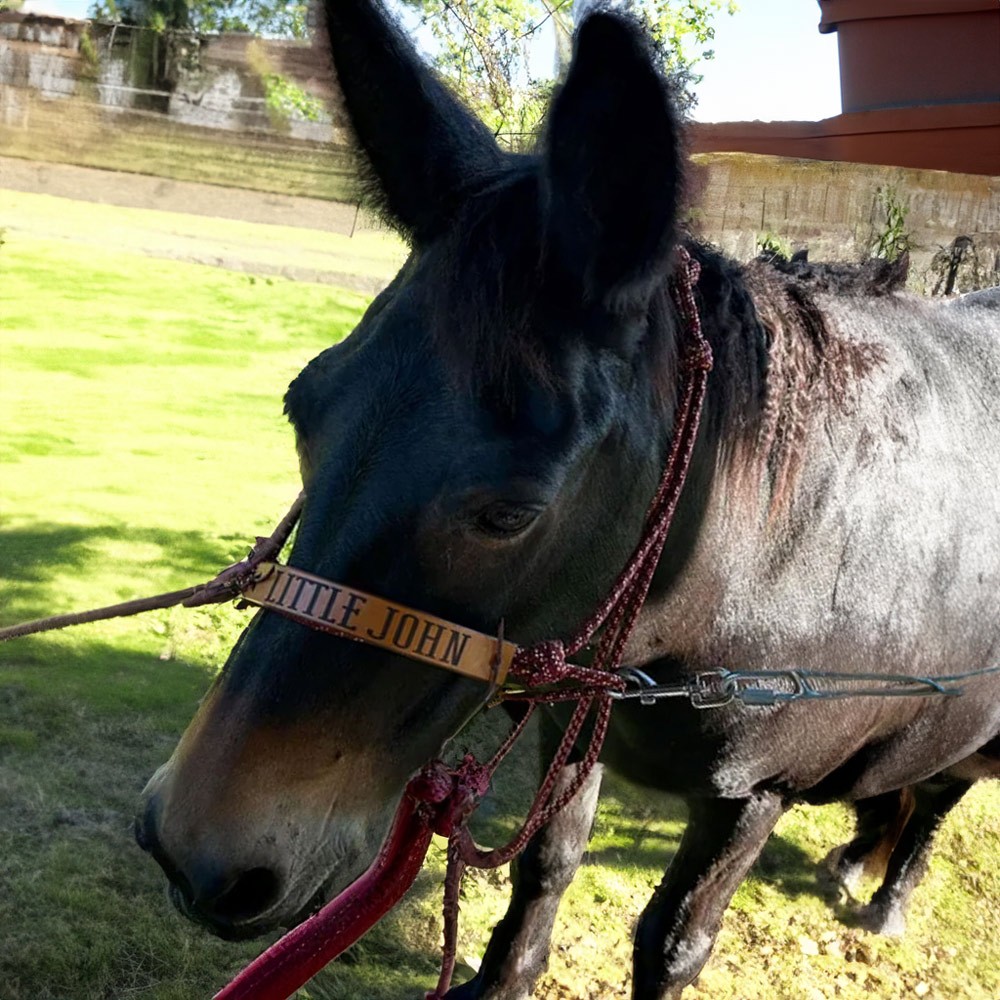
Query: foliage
{"points": [[485, 50], [488, 50], [774, 247], [281, 18], [104, 10], [683, 32], [284, 99], [892, 240], [90, 57]]}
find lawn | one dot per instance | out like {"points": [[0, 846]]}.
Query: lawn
{"points": [[143, 447]]}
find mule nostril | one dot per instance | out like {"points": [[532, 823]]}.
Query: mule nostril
{"points": [[141, 836], [252, 893], [144, 827]]}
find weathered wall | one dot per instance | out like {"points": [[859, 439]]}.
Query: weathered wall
{"points": [[137, 141], [179, 106], [835, 210], [209, 81], [42, 54]]}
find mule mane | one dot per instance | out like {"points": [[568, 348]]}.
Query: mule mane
{"points": [[783, 361], [874, 277]]}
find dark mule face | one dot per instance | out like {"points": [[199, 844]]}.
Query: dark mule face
{"points": [[482, 447]]}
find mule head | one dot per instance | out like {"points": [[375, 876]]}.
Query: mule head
{"points": [[482, 447]]}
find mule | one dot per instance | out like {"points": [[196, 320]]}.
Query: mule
{"points": [[483, 446]]}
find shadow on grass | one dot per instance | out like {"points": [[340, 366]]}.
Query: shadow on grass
{"points": [[791, 870], [61, 691], [89, 722], [645, 826], [32, 554], [782, 863], [49, 569]]}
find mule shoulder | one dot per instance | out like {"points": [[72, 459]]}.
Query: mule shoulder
{"points": [[985, 298]]}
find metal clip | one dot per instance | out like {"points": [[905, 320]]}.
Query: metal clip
{"points": [[645, 684], [712, 689], [758, 695]]}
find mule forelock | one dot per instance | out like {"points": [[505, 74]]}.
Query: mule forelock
{"points": [[485, 276], [502, 310]]}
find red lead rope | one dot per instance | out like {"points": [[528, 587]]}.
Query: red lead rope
{"points": [[428, 804], [440, 800]]}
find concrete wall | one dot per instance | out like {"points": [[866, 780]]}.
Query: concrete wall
{"points": [[42, 54], [181, 106], [836, 211], [209, 81]]}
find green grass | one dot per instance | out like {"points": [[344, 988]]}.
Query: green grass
{"points": [[265, 252], [143, 447]]}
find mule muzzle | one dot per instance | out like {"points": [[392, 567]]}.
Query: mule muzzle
{"points": [[233, 901]]}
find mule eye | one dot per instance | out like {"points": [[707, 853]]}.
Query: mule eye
{"points": [[504, 519]]}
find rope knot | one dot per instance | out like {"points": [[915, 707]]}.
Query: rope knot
{"points": [[452, 795], [543, 663], [433, 784], [697, 357]]}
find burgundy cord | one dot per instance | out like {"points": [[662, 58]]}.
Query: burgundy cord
{"points": [[546, 662]]}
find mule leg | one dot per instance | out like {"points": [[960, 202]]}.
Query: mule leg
{"points": [[933, 800], [880, 823], [679, 925], [518, 951]]}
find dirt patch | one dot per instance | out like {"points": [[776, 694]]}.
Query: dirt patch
{"points": [[267, 235], [143, 191]]}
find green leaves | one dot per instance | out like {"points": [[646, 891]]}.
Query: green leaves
{"points": [[495, 53], [502, 56], [892, 240], [484, 50], [278, 18]]}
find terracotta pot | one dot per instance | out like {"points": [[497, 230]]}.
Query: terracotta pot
{"points": [[913, 53]]}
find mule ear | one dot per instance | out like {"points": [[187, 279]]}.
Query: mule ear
{"points": [[611, 166], [422, 144]]}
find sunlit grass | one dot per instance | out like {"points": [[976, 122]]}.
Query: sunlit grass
{"points": [[264, 251], [143, 447]]}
